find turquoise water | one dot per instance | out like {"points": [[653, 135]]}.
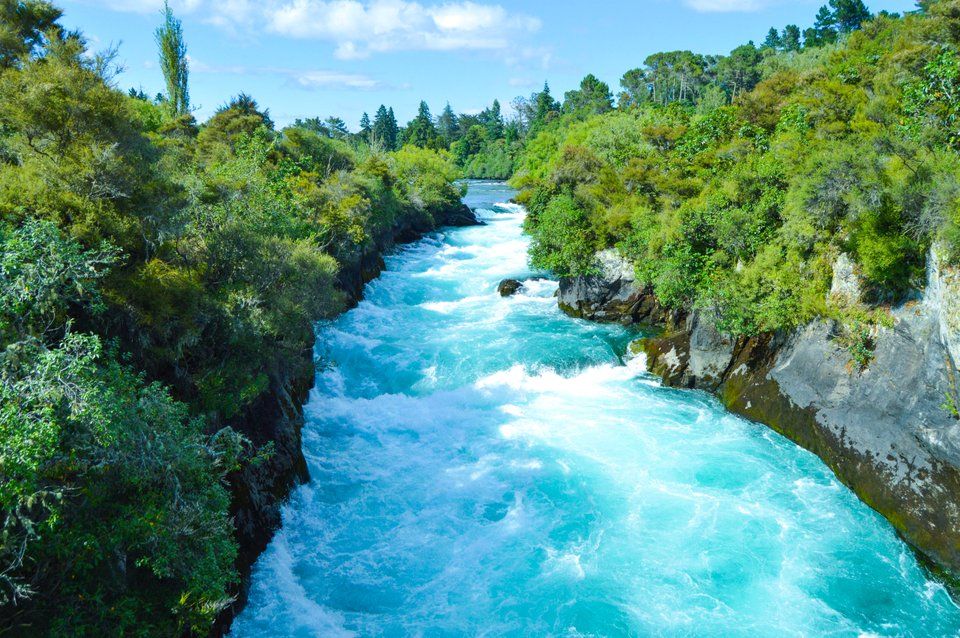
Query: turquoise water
{"points": [[489, 467]]}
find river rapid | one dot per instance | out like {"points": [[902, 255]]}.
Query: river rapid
{"points": [[486, 466]]}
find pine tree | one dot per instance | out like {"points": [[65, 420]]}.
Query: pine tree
{"points": [[421, 130], [773, 40], [365, 124], [848, 15], [447, 125], [492, 119], [544, 105], [393, 131], [173, 62], [384, 131], [791, 39]]}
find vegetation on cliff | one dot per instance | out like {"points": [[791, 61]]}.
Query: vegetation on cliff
{"points": [[734, 182], [155, 276]]}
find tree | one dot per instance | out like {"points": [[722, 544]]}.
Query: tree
{"points": [[740, 71], [240, 118], [848, 15], [421, 130], [773, 40], [544, 108], [23, 26], [337, 128], [491, 119], [447, 125], [384, 130], [366, 127], [636, 87], [791, 38], [675, 76], [823, 31], [593, 97], [173, 62]]}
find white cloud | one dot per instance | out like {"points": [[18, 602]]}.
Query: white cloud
{"points": [[376, 26], [522, 83], [360, 28], [308, 79]]}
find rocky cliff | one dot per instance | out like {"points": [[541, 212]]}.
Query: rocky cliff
{"points": [[276, 418], [888, 431]]}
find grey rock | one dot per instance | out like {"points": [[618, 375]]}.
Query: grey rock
{"points": [[611, 295], [846, 286], [884, 430]]}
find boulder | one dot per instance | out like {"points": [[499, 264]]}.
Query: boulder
{"points": [[461, 216], [509, 287]]}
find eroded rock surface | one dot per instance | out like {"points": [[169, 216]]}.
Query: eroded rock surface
{"points": [[612, 295], [887, 431]]}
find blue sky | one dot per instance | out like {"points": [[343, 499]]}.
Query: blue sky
{"points": [[303, 58]]}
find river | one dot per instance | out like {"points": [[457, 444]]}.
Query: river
{"points": [[486, 466]]}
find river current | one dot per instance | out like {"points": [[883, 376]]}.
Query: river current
{"points": [[486, 466]]}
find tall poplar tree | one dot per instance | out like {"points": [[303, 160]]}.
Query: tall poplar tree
{"points": [[173, 62]]}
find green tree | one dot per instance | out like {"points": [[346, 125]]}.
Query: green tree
{"points": [[492, 120], [421, 130], [366, 128], [447, 125], [636, 87], [773, 41], [593, 97], [740, 71], [385, 131], [174, 62], [848, 15], [239, 119], [791, 39], [24, 25], [337, 128]]}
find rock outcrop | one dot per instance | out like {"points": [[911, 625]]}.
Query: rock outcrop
{"points": [[890, 431], [611, 295], [461, 216]]}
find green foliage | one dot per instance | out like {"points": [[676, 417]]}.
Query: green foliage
{"points": [[857, 331], [156, 282], [739, 206], [563, 243], [932, 103], [98, 466], [593, 97], [426, 178], [173, 62], [421, 130], [23, 27]]}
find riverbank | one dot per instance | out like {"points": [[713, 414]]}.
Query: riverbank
{"points": [[275, 421], [886, 431]]}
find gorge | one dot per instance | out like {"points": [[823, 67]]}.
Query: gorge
{"points": [[485, 465]]}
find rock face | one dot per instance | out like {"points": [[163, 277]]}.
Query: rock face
{"points": [[613, 295], [509, 287], [258, 491], [887, 431], [846, 286]]}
